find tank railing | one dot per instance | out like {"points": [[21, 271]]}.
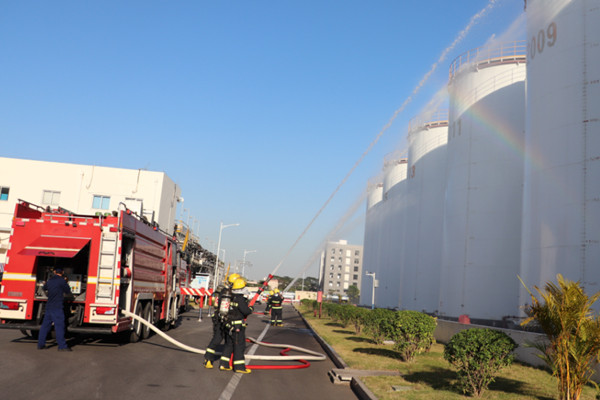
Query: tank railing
{"points": [[512, 51], [497, 82], [437, 118]]}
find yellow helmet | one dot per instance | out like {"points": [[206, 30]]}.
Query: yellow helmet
{"points": [[276, 290], [239, 283], [231, 278], [271, 293]]}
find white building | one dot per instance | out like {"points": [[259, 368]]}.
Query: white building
{"points": [[84, 189], [341, 267]]}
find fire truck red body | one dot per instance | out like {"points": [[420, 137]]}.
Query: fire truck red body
{"points": [[112, 262]]}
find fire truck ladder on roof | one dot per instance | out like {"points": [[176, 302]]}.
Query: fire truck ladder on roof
{"points": [[106, 268]]}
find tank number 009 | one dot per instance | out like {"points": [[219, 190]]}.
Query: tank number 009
{"points": [[544, 38]]}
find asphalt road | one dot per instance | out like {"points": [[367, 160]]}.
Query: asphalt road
{"points": [[105, 368]]}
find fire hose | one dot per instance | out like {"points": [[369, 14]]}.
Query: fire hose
{"points": [[313, 355]]}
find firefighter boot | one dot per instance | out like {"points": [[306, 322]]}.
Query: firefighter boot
{"points": [[243, 371], [208, 364]]}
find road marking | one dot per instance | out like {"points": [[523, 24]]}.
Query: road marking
{"points": [[235, 379]]}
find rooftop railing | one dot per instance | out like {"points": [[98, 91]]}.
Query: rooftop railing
{"points": [[490, 55]]}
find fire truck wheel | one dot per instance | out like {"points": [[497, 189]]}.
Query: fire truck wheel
{"points": [[30, 333], [165, 324], [148, 316], [136, 333]]}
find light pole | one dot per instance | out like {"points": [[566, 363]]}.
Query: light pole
{"points": [[216, 277], [244, 262], [372, 275]]}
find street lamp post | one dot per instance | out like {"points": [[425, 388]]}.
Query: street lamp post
{"points": [[244, 262], [372, 275], [216, 277]]}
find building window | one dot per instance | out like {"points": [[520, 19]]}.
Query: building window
{"points": [[331, 275], [339, 276], [357, 253], [346, 285], [51, 197], [4, 193], [347, 261], [331, 267], [356, 261], [341, 251], [340, 258], [355, 269], [337, 284], [347, 269], [330, 284], [101, 202], [332, 258], [346, 277], [339, 267], [348, 253], [332, 251], [355, 277]]}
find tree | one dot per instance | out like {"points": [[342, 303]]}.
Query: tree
{"points": [[573, 332], [353, 293]]}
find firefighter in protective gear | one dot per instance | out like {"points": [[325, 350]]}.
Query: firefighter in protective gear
{"points": [[275, 304], [235, 327], [218, 335], [231, 278]]}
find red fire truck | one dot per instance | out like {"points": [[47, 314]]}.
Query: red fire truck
{"points": [[113, 262]]}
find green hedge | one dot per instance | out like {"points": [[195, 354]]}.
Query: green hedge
{"points": [[412, 333], [478, 354]]}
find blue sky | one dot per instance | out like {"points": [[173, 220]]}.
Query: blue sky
{"points": [[258, 110]]}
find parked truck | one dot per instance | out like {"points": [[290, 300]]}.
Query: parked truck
{"points": [[113, 262]]}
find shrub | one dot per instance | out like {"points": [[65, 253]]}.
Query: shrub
{"points": [[345, 314], [332, 310], [412, 333], [479, 354], [358, 318], [378, 324]]}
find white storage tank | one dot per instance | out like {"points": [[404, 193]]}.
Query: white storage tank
{"points": [[427, 137], [484, 172], [372, 237], [393, 170], [561, 206], [374, 193], [392, 241]]}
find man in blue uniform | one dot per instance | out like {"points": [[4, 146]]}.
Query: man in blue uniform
{"points": [[56, 287]]}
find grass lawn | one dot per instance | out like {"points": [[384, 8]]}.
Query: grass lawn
{"points": [[429, 376]]}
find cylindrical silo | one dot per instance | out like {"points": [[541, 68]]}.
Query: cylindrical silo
{"points": [[427, 137], [372, 236], [392, 240], [484, 177], [393, 171], [374, 193], [561, 206]]}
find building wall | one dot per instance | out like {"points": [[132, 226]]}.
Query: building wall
{"points": [[74, 187], [341, 267]]}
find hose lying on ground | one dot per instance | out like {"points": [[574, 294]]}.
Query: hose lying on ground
{"points": [[315, 356]]}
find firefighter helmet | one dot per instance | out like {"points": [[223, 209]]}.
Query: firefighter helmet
{"points": [[276, 291], [231, 278], [239, 283]]}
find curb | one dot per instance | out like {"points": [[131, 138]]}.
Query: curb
{"points": [[358, 387]]}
